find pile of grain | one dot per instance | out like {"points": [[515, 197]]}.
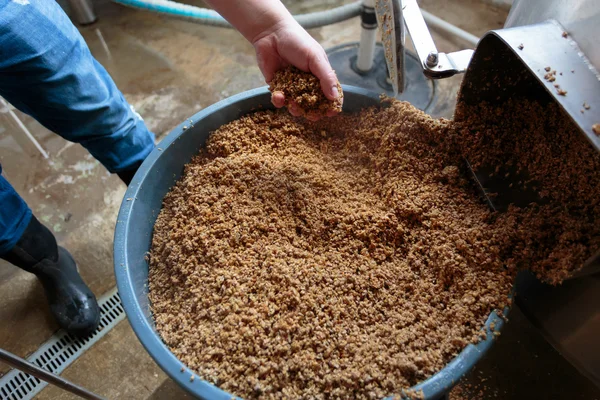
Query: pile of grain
{"points": [[303, 91], [352, 257], [344, 257]]}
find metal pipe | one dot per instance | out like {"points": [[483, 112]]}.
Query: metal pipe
{"points": [[419, 34], [20, 133], [438, 23], [40, 373], [368, 37]]}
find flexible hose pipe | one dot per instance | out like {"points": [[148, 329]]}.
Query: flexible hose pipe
{"points": [[211, 17]]}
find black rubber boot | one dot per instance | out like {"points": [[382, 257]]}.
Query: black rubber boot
{"points": [[127, 175], [71, 301]]}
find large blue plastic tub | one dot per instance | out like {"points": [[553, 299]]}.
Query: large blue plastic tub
{"points": [[142, 203]]}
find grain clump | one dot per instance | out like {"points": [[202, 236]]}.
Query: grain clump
{"points": [[303, 92]]}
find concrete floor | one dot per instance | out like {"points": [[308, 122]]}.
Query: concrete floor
{"points": [[169, 70]]}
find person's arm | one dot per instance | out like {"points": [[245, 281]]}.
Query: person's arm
{"points": [[278, 40]]}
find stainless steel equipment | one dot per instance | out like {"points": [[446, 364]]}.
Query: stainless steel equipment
{"points": [[559, 34], [580, 18], [392, 17]]}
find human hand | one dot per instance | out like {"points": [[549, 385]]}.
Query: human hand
{"points": [[288, 43]]}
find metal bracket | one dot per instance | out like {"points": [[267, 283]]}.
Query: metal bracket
{"points": [[436, 65], [392, 16]]}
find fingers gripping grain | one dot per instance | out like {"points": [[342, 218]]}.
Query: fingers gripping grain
{"points": [[303, 91]]}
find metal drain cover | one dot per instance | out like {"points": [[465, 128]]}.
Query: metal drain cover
{"points": [[60, 351]]}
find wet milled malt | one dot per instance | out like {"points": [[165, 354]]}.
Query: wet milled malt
{"points": [[346, 258], [303, 89]]}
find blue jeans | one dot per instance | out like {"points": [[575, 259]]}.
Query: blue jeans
{"points": [[48, 72]]}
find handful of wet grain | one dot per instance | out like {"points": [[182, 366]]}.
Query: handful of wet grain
{"points": [[303, 89], [347, 258]]}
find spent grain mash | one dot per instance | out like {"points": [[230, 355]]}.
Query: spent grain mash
{"points": [[352, 257], [303, 90]]}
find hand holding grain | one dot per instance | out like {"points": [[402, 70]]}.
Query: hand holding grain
{"points": [[301, 92]]}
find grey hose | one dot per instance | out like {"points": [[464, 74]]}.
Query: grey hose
{"points": [[329, 17], [210, 17]]}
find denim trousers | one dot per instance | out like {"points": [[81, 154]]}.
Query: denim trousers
{"points": [[48, 72]]}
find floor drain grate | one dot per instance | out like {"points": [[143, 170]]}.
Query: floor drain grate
{"points": [[60, 351]]}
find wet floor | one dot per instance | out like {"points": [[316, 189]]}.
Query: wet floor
{"points": [[170, 69]]}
